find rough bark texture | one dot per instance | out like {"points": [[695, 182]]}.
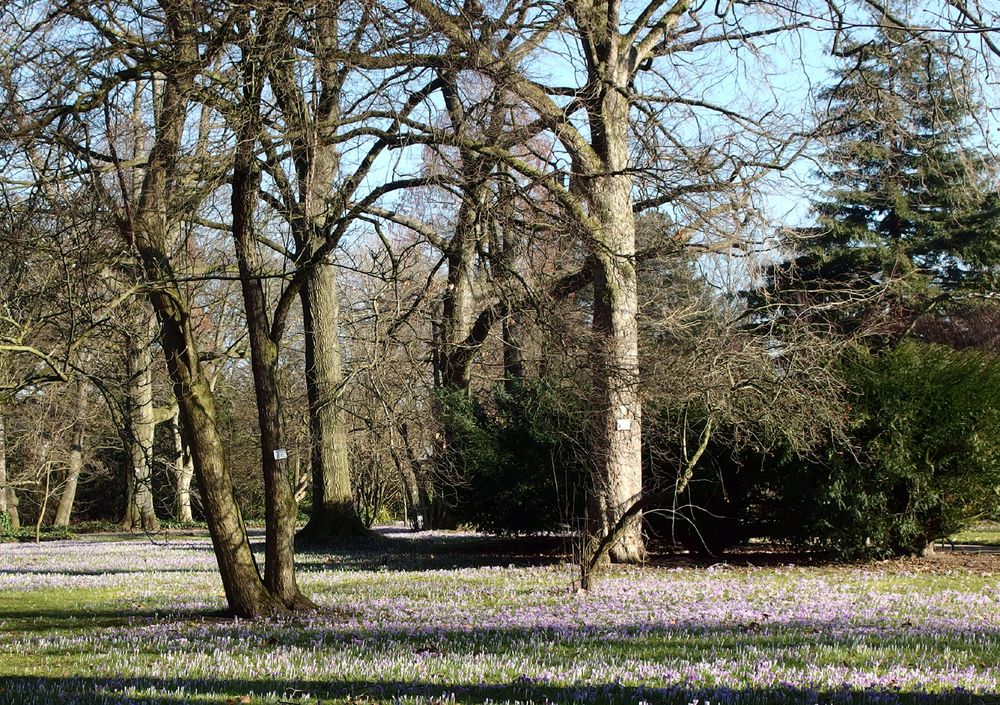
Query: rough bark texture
{"points": [[458, 303], [280, 509], [75, 464], [139, 511], [333, 514], [245, 592], [147, 231], [183, 473], [317, 166], [608, 193]]}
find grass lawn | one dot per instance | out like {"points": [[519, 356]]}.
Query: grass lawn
{"points": [[420, 622], [988, 534]]}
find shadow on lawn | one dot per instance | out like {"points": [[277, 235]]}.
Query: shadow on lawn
{"points": [[399, 549], [29, 690], [42, 620]]}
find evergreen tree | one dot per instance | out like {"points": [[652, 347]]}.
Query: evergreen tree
{"points": [[906, 218]]}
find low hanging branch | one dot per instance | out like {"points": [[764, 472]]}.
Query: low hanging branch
{"points": [[593, 557]]}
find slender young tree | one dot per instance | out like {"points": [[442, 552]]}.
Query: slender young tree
{"points": [[280, 510]]}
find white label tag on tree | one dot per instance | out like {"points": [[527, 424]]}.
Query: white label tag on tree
{"points": [[280, 453], [623, 424]]}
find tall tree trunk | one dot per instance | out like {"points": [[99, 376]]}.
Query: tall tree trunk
{"points": [[75, 465], [618, 448], [316, 159], [333, 513], [148, 233], [8, 498], [280, 509], [457, 308], [245, 591], [139, 510], [183, 472]]}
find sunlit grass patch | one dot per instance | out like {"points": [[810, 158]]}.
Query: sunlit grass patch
{"points": [[136, 621], [988, 534]]}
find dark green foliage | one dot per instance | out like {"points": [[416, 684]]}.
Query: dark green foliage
{"points": [[5, 526], [708, 512], [906, 215], [926, 461], [515, 467]]}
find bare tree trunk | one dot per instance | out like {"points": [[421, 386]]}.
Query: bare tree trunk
{"points": [[280, 509], [245, 591], [139, 510], [148, 233], [68, 496], [44, 486], [3, 464], [314, 151], [333, 512], [8, 498], [183, 472], [618, 448], [457, 305]]}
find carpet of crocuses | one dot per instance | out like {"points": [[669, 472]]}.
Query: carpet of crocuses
{"points": [[138, 621]]}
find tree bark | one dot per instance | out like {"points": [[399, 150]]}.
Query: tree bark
{"points": [[618, 443], [183, 472], [333, 513], [316, 160], [457, 305], [245, 591], [75, 465], [280, 509], [140, 513], [147, 231]]}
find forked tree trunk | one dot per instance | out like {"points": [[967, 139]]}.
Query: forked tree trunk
{"points": [[333, 513], [140, 513], [280, 509], [75, 464], [245, 591], [147, 232], [314, 151]]}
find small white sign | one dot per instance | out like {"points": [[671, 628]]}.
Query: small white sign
{"points": [[280, 454], [623, 424]]}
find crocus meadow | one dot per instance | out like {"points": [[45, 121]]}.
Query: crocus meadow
{"points": [[139, 621]]}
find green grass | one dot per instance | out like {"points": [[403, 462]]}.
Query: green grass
{"points": [[988, 534], [115, 623]]}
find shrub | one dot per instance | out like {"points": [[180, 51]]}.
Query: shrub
{"points": [[925, 421], [512, 467]]}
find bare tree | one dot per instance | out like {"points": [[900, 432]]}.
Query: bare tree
{"points": [[647, 115]]}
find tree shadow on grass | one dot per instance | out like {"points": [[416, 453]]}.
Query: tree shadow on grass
{"points": [[43, 620], [38, 690], [399, 549]]}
